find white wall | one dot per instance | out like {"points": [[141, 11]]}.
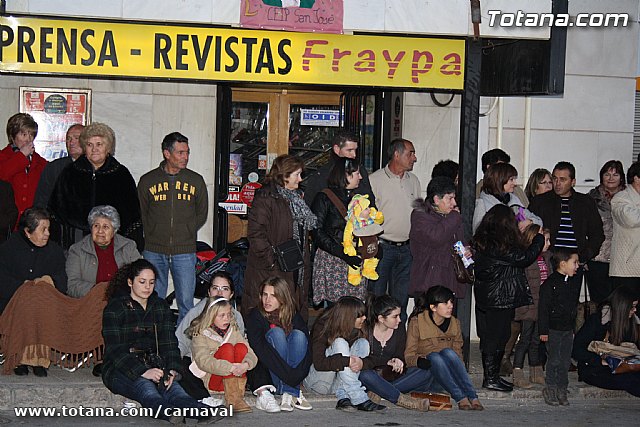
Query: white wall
{"points": [[590, 124]]}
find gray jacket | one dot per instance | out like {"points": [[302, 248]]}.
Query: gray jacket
{"points": [[82, 262], [487, 201]]}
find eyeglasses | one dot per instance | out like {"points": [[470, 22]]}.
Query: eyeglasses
{"points": [[221, 288]]}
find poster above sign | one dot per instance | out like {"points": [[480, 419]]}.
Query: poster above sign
{"points": [[322, 16], [55, 110]]}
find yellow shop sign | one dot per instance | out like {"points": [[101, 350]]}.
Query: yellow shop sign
{"points": [[152, 50]]}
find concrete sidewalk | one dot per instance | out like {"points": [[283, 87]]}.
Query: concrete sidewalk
{"points": [[82, 388]]}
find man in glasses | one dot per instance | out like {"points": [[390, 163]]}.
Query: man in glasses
{"points": [[221, 287]]}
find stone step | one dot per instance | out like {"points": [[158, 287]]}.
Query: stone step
{"points": [[82, 388]]}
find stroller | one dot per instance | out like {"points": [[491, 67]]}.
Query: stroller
{"points": [[232, 259]]}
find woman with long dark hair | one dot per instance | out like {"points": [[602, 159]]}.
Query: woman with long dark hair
{"points": [[500, 286], [616, 322], [339, 351], [434, 344], [387, 338], [141, 356], [331, 264], [280, 338]]}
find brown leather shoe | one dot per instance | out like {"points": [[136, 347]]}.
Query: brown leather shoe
{"points": [[476, 405], [465, 405]]}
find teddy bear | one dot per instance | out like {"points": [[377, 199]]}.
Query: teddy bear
{"points": [[360, 235]]}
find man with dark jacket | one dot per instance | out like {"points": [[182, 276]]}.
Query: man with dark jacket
{"points": [[53, 169], [572, 217], [345, 145], [174, 204]]}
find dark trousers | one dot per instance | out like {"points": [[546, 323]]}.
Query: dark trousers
{"points": [[394, 270], [598, 281], [559, 348], [494, 328], [190, 383], [529, 343], [601, 377]]}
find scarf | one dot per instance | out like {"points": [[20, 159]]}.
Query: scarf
{"points": [[219, 331], [302, 215], [274, 321]]}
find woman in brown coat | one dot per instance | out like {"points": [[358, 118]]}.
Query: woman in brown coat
{"points": [[278, 214]]}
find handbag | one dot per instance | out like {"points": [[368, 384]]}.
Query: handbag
{"points": [[621, 358], [463, 274], [288, 255], [437, 401], [585, 309]]}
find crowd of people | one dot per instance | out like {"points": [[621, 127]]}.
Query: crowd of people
{"points": [[107, 245]]}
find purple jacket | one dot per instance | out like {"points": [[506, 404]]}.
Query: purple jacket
{"points": [[431, 238]]}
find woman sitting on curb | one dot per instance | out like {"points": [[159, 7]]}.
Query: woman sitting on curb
{"points": [[616, 322], [280, 338], [387, 338], [434, 342], [221, 355], [141, 356], [222, 286], [339, 347]]}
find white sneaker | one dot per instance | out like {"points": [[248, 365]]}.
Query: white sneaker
{"points": [[266, 402], [302, 403], [212, 401], [287, 403]]}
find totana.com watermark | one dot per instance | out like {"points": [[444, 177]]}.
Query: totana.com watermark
{"points": [[525, 19]]}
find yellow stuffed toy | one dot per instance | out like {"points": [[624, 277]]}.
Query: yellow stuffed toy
{"points": [[363, 225]]}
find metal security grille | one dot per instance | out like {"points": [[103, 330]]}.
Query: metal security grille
{"points": [[636, 129]]}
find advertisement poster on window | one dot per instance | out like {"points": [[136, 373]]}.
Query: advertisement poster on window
{"points": [[320, 16], [55, 110]]}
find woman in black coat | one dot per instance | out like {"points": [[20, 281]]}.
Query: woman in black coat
{"points": [[96, 178], [331, 264], [501, 286]]}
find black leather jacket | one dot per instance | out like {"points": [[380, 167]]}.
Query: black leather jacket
{"points": [[500, 279], [331, 224]]}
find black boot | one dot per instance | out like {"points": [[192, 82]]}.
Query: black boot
{"points": [[499, 356], [491, 367]]}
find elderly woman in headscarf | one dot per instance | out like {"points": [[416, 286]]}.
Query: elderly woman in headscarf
{"points": [[96, 178], [278, 214], [97, 257]]}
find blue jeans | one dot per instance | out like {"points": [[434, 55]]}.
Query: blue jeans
{"points": [[146, 393], [394, 270], [345, 384], [292, 348], [449, 371], [415, 379], [183, 271]]}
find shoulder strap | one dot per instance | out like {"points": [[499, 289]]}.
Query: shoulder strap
{"points": [[337, 202]]}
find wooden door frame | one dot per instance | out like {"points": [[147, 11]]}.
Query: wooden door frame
{"points": [[280, 102]]}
